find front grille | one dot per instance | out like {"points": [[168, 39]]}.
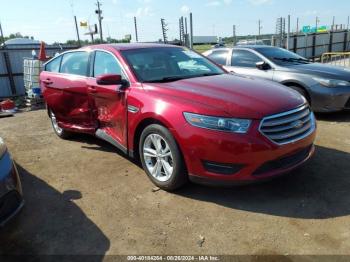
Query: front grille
{"points": [[8, 204], [284, 162], [289, 126]]}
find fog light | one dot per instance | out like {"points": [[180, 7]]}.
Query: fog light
{"points": [[222, 169]]}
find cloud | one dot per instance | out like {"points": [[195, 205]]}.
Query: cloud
{"points": [[185, 9], [141, 12], [218, 3], [213, 3], [260, 2]]}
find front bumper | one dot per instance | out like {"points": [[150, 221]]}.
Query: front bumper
{"points": [[11, 199], [253, 156], [325, 99]]}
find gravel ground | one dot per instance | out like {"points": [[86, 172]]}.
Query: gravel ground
{"points": [[84, 197]]}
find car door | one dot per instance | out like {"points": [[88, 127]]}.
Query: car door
{"points": [[108, 103], [65, 90], [243, 62]]}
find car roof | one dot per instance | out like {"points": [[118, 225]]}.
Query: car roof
{"points": [[254, 47], [131, 46]]}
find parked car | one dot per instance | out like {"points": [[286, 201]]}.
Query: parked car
{"points": [[11, 200], [326, 87], [183, 116]]}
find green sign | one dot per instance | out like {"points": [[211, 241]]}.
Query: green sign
{"points": [[308, 29]]}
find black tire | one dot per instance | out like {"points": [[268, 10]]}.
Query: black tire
{"points": [[179, 175], [60, 132], [302, 92]]}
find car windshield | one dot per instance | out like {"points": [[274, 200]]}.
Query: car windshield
{"points": [[281, 56], [166, 64]]}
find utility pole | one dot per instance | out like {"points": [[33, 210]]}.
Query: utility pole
{"points": [[99, 14], [136, 34], [347, 27], [288, 33], [1, 34], [333, 23], [317, 21], [186, 33], [297, 25], [164, 30], [233, 35], [191, 31], [77, 30], [260, 27]]}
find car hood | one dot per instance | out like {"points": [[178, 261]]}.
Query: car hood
{"points": [[235, 96], [321, 70]]}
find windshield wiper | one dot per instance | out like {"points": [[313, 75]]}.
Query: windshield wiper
{"points": [[167, 79], [290, 59]]}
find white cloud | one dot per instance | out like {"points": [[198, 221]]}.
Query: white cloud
{"points": [[213, 3], [141, 12], [185, 9], [260, 2], [218, 3]]}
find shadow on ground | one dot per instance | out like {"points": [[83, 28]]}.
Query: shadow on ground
{"points": [[319, 190], [51, 223], [343, 116]]}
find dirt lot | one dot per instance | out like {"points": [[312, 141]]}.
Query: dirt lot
{"points": [[83, 197]]}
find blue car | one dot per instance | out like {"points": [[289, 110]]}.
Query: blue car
{"points": [[11, 197]]}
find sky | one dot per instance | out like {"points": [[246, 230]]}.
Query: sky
{"points": [[52, 20]]}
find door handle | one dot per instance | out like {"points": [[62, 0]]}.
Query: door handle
{"points": [[92, 89], [47, 82]]}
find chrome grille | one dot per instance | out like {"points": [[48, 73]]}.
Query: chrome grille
{"points": [[289, 126]]}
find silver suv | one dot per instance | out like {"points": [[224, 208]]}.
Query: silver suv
{"points": [[327, 88]]}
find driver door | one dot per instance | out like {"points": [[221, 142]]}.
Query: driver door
{"points": [[108, 103], [243, 62]]}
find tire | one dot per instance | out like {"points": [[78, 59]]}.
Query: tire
{"points": [[302, 92], [161, 158], [60, 132]]}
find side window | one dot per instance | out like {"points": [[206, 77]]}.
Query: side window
{"points": [[243, 58], [75, 63], [219, 56], [106, 63], [54, 65]]}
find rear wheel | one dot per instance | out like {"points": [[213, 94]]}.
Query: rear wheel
{"points": [[58, 130], [161, 158]]}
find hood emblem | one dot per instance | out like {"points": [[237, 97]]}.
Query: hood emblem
{"points": [[297, 124]]}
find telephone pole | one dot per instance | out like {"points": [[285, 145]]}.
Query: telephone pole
{"points": [[99, 14], [234, 35], [164, 30], [76, 28], [136, 34], [1, 34], [260, 27]]}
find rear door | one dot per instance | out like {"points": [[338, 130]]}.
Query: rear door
{"points": [[243, 62], [65, 90], [108, 103]]}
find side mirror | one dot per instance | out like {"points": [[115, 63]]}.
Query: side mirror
{"points": [[262, 65], [109, 79]]}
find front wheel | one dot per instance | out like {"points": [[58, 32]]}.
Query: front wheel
{"points": [[161, 158], [58, 130]]}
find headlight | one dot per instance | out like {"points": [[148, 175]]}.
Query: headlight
{"points": [[234, 125], [2, 147], [331, 82]]}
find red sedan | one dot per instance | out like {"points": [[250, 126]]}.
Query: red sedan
{"points": [[183, 116]]}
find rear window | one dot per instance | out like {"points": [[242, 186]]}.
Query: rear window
{"points": [[75, 63], [54, 65]]}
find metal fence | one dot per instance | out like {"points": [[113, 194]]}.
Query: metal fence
{"points": [[312, 46], [336, 58], [11, 66]]}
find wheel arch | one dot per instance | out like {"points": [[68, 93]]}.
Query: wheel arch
{"points": [[291, 83]]}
